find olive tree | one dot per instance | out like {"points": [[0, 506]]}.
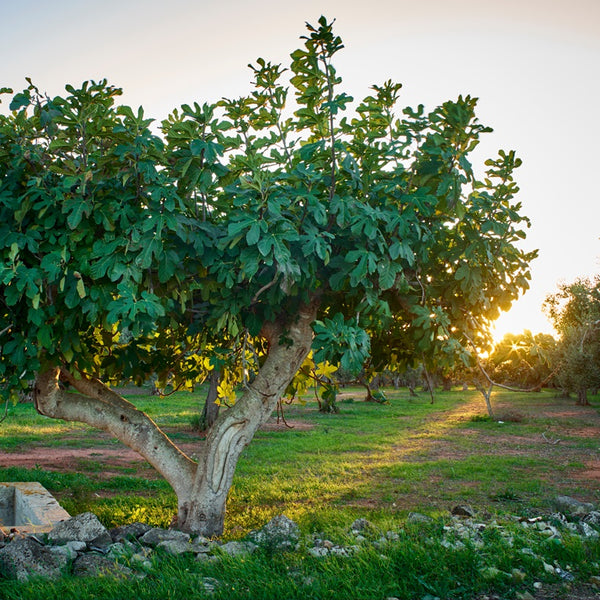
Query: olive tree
{"points": [[252, 230], [575, 313]]}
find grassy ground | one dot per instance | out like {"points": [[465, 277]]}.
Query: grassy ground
{"points": [[370, 460]]}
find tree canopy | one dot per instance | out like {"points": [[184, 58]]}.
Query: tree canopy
{"points": [[575, 313], [251, 229]]}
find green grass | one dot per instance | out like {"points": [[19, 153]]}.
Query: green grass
{"points": [[370, 460]]}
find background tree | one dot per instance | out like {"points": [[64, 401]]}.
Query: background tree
{"points": [[523, 360], [575, 313], [247, 227]]}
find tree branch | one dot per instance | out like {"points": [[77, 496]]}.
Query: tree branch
{"points": [[100, 407]]}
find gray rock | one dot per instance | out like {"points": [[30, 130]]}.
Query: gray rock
{"points": [[362, 526], [93, 565], [202, 546], [318, 551], [238, 548], [463, 510], [76, 546], [593, 518], [572, 507], [24, 558], [587, 530], [279, 534], [415, 517], [210, 584], [101, 543], [176, 547], [133, 531], [82, 528], [156, 535]]}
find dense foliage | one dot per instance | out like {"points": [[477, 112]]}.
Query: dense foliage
{"points": [[575, 313], [124, 252]]}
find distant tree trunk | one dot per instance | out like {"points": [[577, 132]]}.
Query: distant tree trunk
{"points": [[429, 382], [210, 412], [201, 487], [486, 392], [582, 397]]}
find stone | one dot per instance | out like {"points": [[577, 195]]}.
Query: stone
{"points": [[595, 580], [176, 547], [549, 569], [587, 530], [361, 526], [25, 557], [524, 596], [318, 551], [518, 576], [130, 532], [202, 546], [463, 510], [82, 528], [238, 548], [280, 534], [156, 535], [415, 517], [571, 506], [101, 542], [94, 565], [210, 584]]}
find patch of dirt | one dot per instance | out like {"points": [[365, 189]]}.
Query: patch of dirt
{"points": [[289, 424]]}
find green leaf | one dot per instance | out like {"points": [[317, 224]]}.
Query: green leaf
{"points": [[253, 234]]}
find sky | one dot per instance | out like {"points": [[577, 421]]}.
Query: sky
{"points": [[533, 64]]}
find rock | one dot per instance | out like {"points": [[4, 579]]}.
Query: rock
{"points": [[24, 558], [593, 518], [587, 530], [362, 526], [595, 580], [518, 576], [238, 548], [93, 565], [82, 528], [463, 510], [131, 532], [101, 542], [156, 536], [489, 573], [524, 596], [570, 506], [202, 546], [415, 517], [176, 547], [318, 551], [279, 534], [210, 584], [549, 569]]}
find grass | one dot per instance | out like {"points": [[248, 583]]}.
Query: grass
{"points": [[370, 460]]}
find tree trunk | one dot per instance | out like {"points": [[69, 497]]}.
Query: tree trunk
{"points": [[203, 510], [582, 397], [201, 487], [210, 411]]}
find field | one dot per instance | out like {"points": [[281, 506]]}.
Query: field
{"points": [[375, 461]]}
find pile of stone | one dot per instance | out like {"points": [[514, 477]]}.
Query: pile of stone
{"points": [[82, 546]]}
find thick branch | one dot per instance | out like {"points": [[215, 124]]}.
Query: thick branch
{"points": [[100, 407]]}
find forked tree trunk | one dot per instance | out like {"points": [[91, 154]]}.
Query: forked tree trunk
{"points": [[201, 487]]}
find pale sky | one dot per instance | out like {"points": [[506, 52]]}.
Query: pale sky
{"points": [[534, 65]]}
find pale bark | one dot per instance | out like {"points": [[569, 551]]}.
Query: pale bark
{"points": [[103, 408], [204, 511], [201, 487]]}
